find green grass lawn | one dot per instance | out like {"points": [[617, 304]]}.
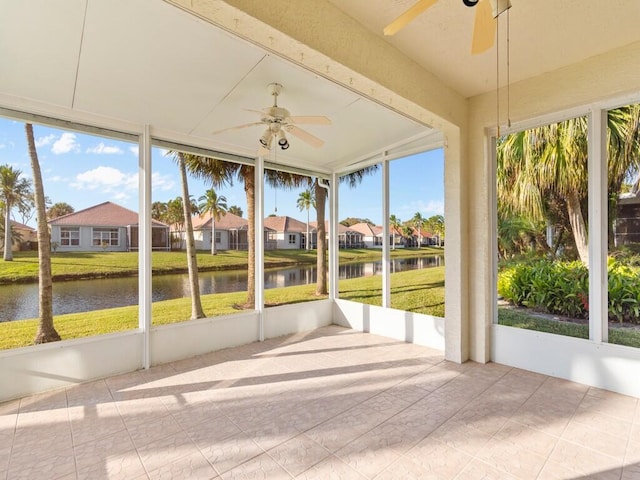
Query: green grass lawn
{"points": [[416, 290], [65, 266], [520, 319]]}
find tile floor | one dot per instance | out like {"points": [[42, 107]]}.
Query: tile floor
{"points": [[328, 404]]}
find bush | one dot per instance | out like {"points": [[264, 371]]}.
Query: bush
{"points": [[562, 288]]}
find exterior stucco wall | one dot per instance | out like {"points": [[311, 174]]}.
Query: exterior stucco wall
{"points": [[86, 240], [318, 36], [608, 79]]}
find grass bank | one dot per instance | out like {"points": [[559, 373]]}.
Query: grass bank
{"points": [[77, 265], [521, 319], [416, 290]]}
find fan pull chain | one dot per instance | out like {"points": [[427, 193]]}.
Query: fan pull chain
{"points": [[508, 73], [498, 74]]}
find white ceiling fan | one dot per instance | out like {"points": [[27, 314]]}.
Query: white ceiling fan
{"points": [[278, 120], [484, 29]]}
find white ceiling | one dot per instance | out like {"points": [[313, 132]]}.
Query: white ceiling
{"points": [[148, 62], [544, 35]]}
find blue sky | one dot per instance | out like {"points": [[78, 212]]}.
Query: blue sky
{"points": [[84, 170]]}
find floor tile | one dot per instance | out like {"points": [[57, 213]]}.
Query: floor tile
{"points": [[191, 467], [262, 467], [327, 404], [298, 454]]}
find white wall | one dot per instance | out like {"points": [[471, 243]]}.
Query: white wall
{"points": [[38, 368], [612, 367], [86, 240], [405, 326], [28, 370]]}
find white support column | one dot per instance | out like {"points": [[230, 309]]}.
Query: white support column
{"points": [[144, 242], [386, 254], [598, 248], [334, 264], [259, 242]]}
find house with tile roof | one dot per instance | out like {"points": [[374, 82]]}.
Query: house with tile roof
{"points": [[103, 227], [230, 230], [289, 233], [371, 235], [347, 237], [24, 237]]}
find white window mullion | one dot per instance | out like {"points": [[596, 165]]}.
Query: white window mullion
{"points": [[598, 248], [333, 237], [144, 242], [386, 254], [259, 243]]}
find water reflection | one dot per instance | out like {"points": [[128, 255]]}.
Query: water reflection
{"points": [[21, 300]]}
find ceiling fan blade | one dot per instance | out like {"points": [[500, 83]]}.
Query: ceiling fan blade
{"points": [[484, 28], [400, 22], [310, 120], [259, 112], [239, 127], [304, 136]]}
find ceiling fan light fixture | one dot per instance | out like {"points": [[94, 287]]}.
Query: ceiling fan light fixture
{"points": [[266, 138], [282, 140]]}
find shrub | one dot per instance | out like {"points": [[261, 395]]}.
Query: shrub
{"points": [[563, 287]]}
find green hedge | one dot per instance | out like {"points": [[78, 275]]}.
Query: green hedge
{"points": [[563, 288]]}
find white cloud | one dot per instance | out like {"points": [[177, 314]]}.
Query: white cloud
{"points": [[65, 144], [134, 149], [427, 209], [162, 182], [56, 178], [44, 141], [102, 149], [105, 179], [2, 146]]}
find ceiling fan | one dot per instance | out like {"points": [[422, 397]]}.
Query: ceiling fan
{"points": [[484, 29], [278, 120]]}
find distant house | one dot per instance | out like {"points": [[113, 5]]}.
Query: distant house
{"points": [[103, 227], [24, 237], [231, 233], [347, 237], [289, 233], [371, 235], [627, 224]]}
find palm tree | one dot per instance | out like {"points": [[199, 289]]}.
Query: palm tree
{"points": [[215, 206], [236, 210], [46, 330], [545, 168], [159, 211], [418, 222], [352, 179], [394, 223], [436, 225], [192, 261], [320, 195], [14, 191], [305, 201]]}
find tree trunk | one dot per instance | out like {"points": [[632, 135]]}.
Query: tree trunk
{"points": [[576, 220], [321, 248], [308, 245], [8, 252], [213, 235], [46, 331], [250, 191], [192, 260]]}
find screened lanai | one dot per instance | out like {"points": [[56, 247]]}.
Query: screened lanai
{"points": [[172, 73], [330, 388]]}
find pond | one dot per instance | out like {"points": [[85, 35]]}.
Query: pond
{"points": [[20, 301]]}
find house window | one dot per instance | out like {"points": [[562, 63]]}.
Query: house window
{"points": [[218, 237], [292, 239], [105, 236], [69, 236], [272, 236]]}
